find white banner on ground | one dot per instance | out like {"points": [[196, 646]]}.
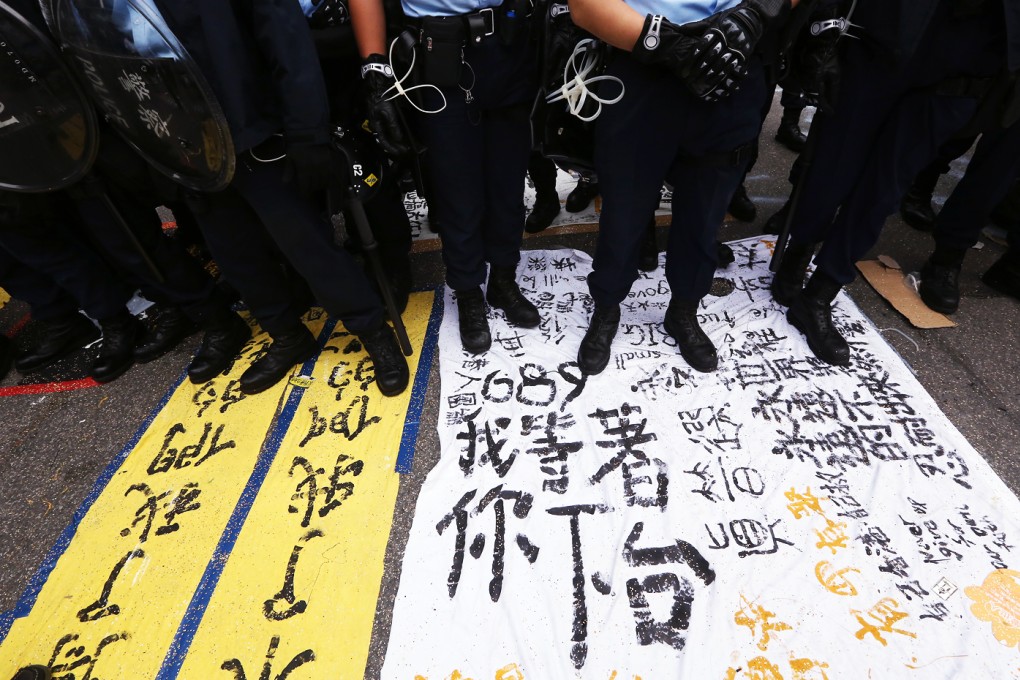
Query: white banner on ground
{"points": [[779, 518]]}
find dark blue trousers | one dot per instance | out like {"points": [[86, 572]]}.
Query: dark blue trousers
{"points": [[49, 302], [477, 158], [992, 170], [660, 132], [46, 244], [258, 218]]}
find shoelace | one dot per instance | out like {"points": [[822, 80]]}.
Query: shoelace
{"points": [[575, 87]]}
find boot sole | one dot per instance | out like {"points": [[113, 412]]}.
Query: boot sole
{"points": [[113, 376], [262, 387], [935, 306], [71, 348], [205, 376], [795, 322], [536, 324]]}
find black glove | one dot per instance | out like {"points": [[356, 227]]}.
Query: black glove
{"points": [[663, 43], [383, 117], [730, 38], [814, 58], [309, 167]]}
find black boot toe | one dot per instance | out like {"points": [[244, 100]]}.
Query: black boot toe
{"points": [[288, 350], [596, 347]]}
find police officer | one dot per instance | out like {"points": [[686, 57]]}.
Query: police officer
{"points": [[478, 140], [989, 177], [260, 60], [692, 110], [910, 84]]}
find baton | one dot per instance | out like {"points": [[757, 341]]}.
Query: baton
{"points": [[806, 159], [370, 248], [135, 243]]}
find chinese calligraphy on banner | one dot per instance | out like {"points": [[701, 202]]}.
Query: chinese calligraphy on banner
{"points": [[780, 518]]}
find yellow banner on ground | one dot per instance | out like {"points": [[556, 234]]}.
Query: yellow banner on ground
{"points": [[301, 584], [112, 604]]}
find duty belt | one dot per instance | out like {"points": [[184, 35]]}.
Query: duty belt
{"points": [[474, 27]]}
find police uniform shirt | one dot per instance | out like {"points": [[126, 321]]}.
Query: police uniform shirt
{"points": [[445, 8], [682, 11]]}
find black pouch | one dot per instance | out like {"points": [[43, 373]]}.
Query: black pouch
{"points": [[442, 50]]}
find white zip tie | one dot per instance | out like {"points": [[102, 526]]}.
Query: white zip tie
{"points": [[575, 88], [398, 84]]}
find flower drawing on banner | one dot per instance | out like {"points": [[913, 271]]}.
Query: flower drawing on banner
{"points": [[997, 601]]}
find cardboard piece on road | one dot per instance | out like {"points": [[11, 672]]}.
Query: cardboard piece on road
{"points": [[886, 277]]}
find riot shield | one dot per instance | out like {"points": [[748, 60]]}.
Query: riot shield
{"points": [[148, 88], [48, 134]]}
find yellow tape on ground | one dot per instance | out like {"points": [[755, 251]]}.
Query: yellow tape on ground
{"points": [[112, 605], [301, 584]]}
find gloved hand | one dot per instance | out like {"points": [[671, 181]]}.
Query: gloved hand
{"points": [[730, 38], [814, 58], [308, 166], [665, 44], [383, 117]]}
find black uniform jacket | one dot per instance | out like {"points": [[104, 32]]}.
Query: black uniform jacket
{"points": [[898, 25]]}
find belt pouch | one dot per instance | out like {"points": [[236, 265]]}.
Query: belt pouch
{"points": [[442, 40]]}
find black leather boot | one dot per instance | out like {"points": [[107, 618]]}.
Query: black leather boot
{"points": [[473, 320], [287, 351], [811, 314], [774, 224], [581, 196], [940, 279], [741, 206], [33, 672], [60, 338], [915, 208], [724, 255], [6, 356], [1004, 275], [225, 336], [504, 293], [547, 207], [648, 260], [788, 133], [789, 280], [391, 374], [695, 347], [117, 352], [596, 347], [170, 328]]}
